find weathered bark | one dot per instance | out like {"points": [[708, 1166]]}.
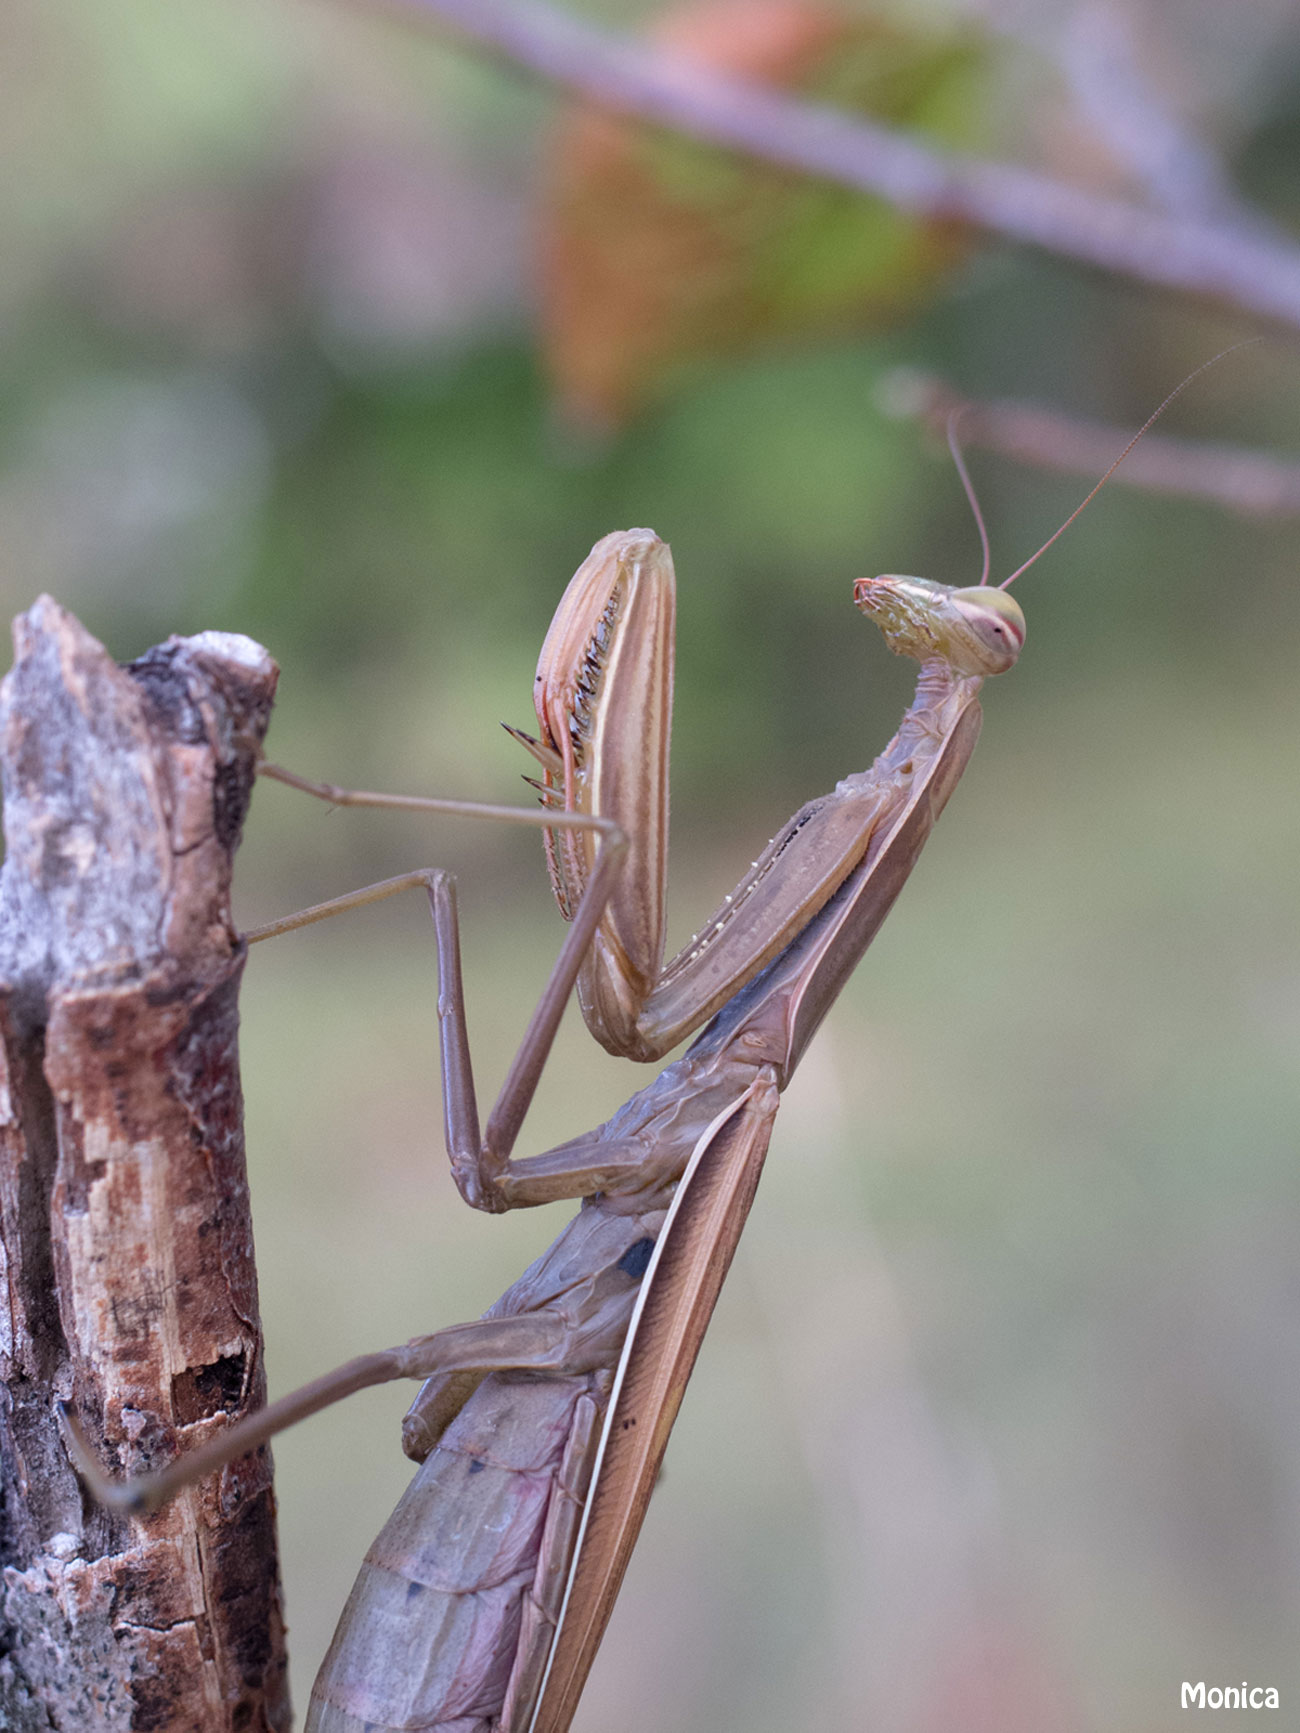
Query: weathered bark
{"points": [[127, 1285]]}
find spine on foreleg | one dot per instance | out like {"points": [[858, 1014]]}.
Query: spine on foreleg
{"points": [[430, 1635]]}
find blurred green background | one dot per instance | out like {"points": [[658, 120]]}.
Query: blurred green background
{"points": [[998, 1424]]}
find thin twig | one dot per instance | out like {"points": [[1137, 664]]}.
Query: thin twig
{"points": [[1256, 275], [1251, 483]]}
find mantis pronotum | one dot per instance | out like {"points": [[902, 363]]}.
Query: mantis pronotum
{"points": [[541, 1426]]}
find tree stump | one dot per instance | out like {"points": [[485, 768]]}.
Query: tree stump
{"points": [[127, 1284]]}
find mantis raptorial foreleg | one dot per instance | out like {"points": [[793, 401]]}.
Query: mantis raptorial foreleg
{"points": [[603, 696]]}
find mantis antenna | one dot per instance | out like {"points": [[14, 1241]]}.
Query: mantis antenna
{"points": [[959, 460], [954, 447]]}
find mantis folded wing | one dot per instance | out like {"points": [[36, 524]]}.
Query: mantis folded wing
{"points": [[481, 1605]]}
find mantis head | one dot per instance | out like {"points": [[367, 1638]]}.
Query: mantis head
{"points": [[975, 631]]}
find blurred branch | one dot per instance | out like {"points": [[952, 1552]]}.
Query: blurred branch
{"points": [[1247, 271], [1251, 483], [1178, 170]]}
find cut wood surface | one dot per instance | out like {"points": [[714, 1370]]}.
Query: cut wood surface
{"points": [[127, 1284]]}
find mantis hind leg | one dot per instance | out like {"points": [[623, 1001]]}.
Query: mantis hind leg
{"points": [[541, 1341]]}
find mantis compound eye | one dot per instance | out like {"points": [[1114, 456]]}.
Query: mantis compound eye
{"points": [[996, 624]]}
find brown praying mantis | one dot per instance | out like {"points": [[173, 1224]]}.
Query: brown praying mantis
{"points": [[541, 1426]]}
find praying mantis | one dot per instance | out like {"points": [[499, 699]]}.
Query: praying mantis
{"points": [[542, 1425]]}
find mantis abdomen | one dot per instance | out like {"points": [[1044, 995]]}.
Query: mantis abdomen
{"points": [[431, 1634]]}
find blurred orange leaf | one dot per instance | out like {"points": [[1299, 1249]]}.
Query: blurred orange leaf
{"points": [[662, 254]]}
